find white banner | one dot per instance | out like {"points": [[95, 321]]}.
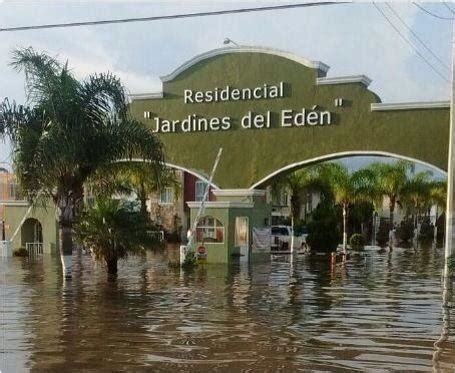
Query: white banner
{"points": [[261, 239]]}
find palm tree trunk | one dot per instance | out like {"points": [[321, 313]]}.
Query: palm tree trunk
{"points": [[65, 210], [391, 217], [111, 263], [143, 200], [345, 233], [435, 228]]}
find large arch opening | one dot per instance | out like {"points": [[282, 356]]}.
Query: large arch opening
{"points": [[412, 213]]}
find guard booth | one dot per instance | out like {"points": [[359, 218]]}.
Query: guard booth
{"points": [[241, 209]]}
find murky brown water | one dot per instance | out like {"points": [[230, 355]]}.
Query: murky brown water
{"points": [[379, 312]]}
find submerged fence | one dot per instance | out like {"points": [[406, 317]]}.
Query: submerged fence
{"points": [[34, 248]]}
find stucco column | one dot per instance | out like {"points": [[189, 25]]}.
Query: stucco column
{"points": [[450, 221]]}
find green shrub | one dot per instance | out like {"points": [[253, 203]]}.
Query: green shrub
{"points": [[426, 233], [20, 252], [357, 242], [190, 261], [405, 231], [323, 232], [382, 237]]}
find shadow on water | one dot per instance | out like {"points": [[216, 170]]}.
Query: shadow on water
{"points": [[371, 312]]}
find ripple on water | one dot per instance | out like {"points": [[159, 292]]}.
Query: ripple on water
{"points": [[377, 312]]}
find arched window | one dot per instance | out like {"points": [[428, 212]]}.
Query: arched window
{"points": [[209, 230]]}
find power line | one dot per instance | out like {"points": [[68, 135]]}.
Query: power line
{"points": [[173, 16], [448, 7], [433, 14], [410, 44], [417, 37]]}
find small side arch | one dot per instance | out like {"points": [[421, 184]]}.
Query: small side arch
{"points": [[31, 232]]}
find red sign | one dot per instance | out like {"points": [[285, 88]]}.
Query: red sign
{"points": [[201, 251]]}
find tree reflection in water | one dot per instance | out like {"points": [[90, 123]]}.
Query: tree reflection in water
{"points": [[372, 312]]}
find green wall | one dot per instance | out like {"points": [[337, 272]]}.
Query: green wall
{"points": [[251, 154], [257, 215], [45, 215]]}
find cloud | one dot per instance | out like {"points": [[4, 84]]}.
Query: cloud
{"points": [[351, 38]]}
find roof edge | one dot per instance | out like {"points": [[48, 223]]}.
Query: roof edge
{"points": [[322, 67], [347, 79], [410, 105]]}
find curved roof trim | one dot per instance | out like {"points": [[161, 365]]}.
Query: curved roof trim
{"points": [[331, 156], [363, 79], [322, 67]]}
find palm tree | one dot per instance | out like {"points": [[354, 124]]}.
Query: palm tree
{"points": [[297, 183], [347, 188], [112, 229], [391, 179], [68, 130], [438, 198], [416, 194], [131, 178]]}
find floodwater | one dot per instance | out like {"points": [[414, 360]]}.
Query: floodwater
{"points": [[377, 312]]}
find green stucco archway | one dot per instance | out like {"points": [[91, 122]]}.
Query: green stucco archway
{"points": [[347, 119]]}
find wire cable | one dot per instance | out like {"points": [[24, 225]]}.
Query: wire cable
{"points": [[173, 16], [410, 44], [417, 37], [449, 7], [433, 14]]}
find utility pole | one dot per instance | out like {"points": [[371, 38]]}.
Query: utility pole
{"points": [[450, 221]]}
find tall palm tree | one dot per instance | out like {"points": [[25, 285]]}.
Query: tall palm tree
{"points": [[297, 183], [67, 130], [391, 180], [438, 198], [416, 194], [347, 188]]}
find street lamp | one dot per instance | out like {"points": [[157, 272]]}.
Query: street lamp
{"points": [[229, 41]]}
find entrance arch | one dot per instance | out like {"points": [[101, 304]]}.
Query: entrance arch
{"points": [[271, 112], [269, 109]]}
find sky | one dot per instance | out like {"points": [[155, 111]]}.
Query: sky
{"points": [[350, 38]]}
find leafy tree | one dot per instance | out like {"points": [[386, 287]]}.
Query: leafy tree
{"points": [[405, 231], [383, 234], [426, 232], [67, 130], [323, 231], [112, 229]]}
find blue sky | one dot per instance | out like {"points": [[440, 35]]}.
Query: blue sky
{"points": [[350, 38]]}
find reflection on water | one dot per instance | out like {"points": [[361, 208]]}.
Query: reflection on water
{"points": [[376, 312]]}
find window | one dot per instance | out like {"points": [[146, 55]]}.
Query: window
{"points": [[199, 190], [209, 230], [281, 199], [12, 190], [166, 196]]}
